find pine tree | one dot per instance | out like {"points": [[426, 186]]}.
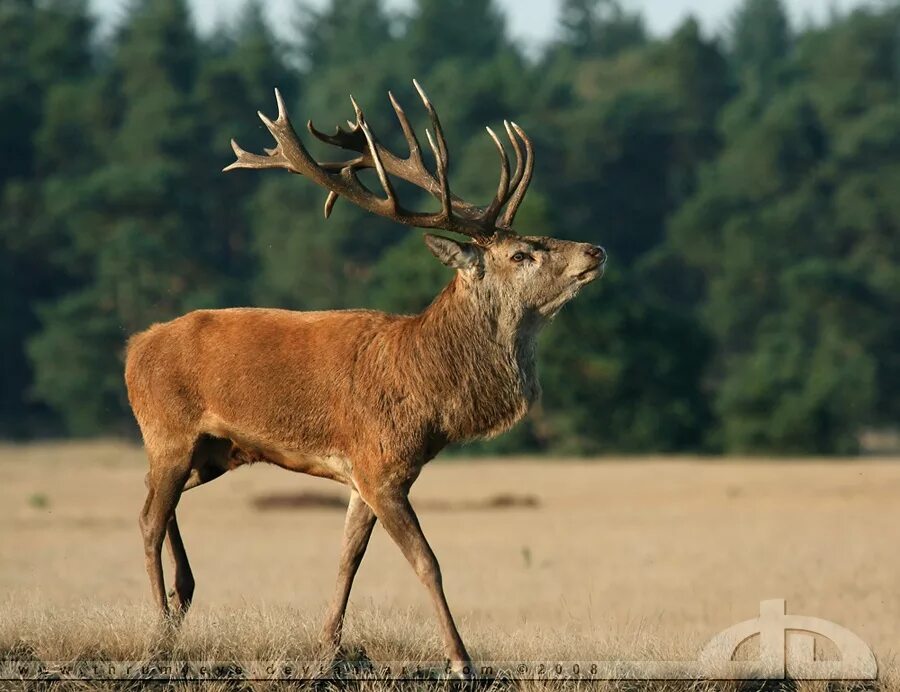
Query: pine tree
{"points": [[761, 38], [305, 261], [599, 28], [46, 62], [143, 236], [784, 231], [342, 34], [19, 109], [471, 31], [244, 62]]}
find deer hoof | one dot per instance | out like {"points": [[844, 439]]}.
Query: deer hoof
{"points": [[462, 670]]}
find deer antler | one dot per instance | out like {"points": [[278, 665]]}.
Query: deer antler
{"points": [[341, 180]]}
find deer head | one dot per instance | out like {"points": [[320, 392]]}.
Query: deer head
{"points": [[523, 273]]}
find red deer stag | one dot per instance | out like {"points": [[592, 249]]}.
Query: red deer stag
{"points": [[361, 397]]}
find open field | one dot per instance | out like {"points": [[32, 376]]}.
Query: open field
{"points": [[542, 561]]}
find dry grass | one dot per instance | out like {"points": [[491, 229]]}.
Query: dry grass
{"points": [[616, 560]]}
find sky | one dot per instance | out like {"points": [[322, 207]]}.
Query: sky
{"points": [[533, 22]]}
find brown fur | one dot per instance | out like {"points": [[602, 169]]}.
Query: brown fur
{"points": [[361, 397]]}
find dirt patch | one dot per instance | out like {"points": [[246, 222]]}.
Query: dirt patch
{"points": [[299, 500], [317, 500]]}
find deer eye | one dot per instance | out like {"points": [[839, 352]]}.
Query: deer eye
{"points": [[520, 257]]}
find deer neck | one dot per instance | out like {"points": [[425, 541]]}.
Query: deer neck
{"points": [[483, 360]]}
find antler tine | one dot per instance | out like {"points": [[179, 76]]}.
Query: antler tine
{"points": [[439, 147], [442, 176], [517, 176], [244, 159], [435, 123], [490, 214], [415, 151], [521, 186], [329, 202], [351, 139], [373, 150], [282, 111], [288, 152]]}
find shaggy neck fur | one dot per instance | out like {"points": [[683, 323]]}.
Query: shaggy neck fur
{"points": [[478, 353]]}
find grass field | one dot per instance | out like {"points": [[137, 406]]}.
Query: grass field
{"points": [[542, 560]]}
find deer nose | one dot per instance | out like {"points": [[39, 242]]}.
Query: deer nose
{"points": [[596, 252]]}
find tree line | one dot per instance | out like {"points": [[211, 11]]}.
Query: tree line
{"points": [[745, 185]]}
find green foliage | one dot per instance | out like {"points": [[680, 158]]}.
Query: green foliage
{"points": [[599, 28], [470, 31], [760, 38], [620, 371], [407, 279], [342, 34], [77, 355], [809, 382], [745, 187], [783, 232]]}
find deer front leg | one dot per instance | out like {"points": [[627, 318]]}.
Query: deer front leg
{"points": [[357, 530], [394, 511]]}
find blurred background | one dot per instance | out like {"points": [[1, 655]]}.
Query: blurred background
{"points": [[741, 165]]}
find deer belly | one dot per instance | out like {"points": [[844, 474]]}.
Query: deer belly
{"points": [[332, 467], [250, 449]]}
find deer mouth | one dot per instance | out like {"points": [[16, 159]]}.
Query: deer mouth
{"points": [[591, 273]]}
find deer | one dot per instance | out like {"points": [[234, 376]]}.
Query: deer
{"points": [[360, 397]]}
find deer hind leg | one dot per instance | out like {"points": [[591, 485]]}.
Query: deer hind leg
{"points": [[393, 510], [181, 595], [357, 529], [208, 462], [169, 470]]}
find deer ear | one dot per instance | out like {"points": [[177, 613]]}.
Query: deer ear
{"points": [[453, 253]]}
